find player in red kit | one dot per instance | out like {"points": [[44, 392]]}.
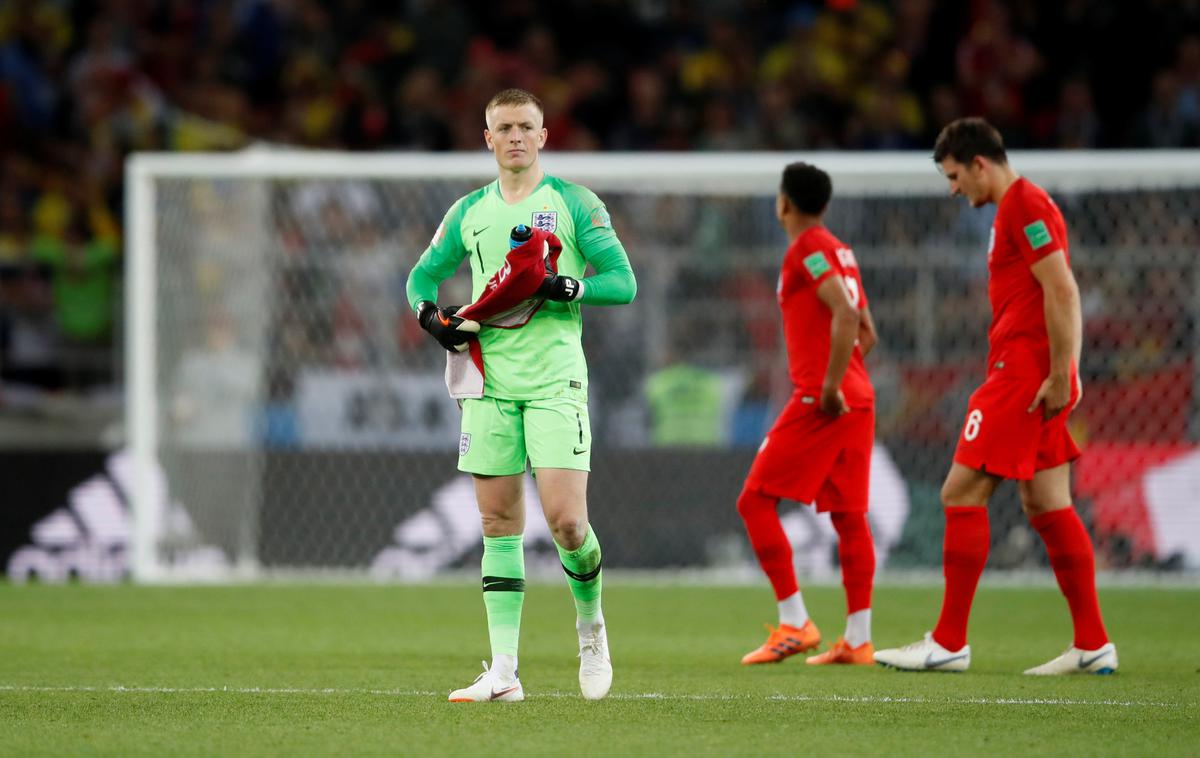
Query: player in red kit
{"points": [[1016, 423], [819, 450]]}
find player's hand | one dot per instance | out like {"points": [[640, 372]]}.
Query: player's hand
{"points": [[833, 401], [1054, 395], [562, 289], [451, 332]]}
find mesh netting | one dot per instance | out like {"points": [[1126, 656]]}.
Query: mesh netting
{"points": [[304, 422]]}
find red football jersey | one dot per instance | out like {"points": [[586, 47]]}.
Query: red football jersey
{"points": [[1028, 227], [815, 256]]}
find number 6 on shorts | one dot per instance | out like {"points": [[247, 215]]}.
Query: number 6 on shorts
{"points": [[971, 430]]}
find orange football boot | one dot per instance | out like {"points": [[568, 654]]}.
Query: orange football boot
{"points": [[863, 655], [785, 641]]}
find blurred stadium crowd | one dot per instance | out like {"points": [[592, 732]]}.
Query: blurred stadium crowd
{"points": [[84, 83]]}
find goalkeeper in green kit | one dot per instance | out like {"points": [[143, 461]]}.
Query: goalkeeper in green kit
{"points": [[534, 403]]}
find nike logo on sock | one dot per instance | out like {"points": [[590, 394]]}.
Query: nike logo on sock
{"points": [[930, 663]]}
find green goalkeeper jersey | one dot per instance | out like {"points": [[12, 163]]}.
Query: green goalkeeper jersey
{"points": [[544, 358]]}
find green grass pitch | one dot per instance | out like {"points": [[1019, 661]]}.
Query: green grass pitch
{"points": [[307, 670]]}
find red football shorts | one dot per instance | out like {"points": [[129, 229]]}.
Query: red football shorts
{"points": [[811, 457], [1001, 437]]}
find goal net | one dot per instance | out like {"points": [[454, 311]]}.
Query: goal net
{"points": [[287, 414]]}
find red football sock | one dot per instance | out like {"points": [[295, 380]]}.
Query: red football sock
{"points": [[856, 552], [1074, 565], [964, 554], [769, 541]]}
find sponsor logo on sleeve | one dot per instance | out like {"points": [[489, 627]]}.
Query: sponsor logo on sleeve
{"points": [[547, 221], [601, 218], [1037, 234], [816, 265], [438, 235]]}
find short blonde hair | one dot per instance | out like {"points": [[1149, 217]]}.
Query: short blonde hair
{"points": [[516, 97]]}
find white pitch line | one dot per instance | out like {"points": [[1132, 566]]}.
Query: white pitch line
{"points": [[867, 699]]}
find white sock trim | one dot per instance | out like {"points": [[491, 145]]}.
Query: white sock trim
{"points": [[505, 666], [582, 626], [792, 611], [858, 627]]}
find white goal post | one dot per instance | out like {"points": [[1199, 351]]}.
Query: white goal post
{"points": [[238, 230]]}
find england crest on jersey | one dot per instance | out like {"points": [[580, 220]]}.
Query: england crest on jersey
{"points": [[547, 221]]}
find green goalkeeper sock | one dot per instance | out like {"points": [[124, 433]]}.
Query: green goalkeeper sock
{"points": [[504, 591], [582, 567]]}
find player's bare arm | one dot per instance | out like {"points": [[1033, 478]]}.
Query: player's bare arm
{"points": [[843, 330], [1064, 326], [867, 336]]}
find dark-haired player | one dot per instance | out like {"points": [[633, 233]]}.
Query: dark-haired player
{"points": [[819, 450], [1016, 425]]}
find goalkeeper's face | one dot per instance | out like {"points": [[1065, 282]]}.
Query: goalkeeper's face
{"points": [[515, 135]]}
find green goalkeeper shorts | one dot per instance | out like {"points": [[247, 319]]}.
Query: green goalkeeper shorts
{"points": [[499, 436]]}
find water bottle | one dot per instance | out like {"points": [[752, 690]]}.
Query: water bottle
{"points": [[519, 236]]}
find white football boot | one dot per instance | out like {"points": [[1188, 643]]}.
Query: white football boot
{"points": [[1075, 661], [925, 655], [488, 687], [595, 665]]}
